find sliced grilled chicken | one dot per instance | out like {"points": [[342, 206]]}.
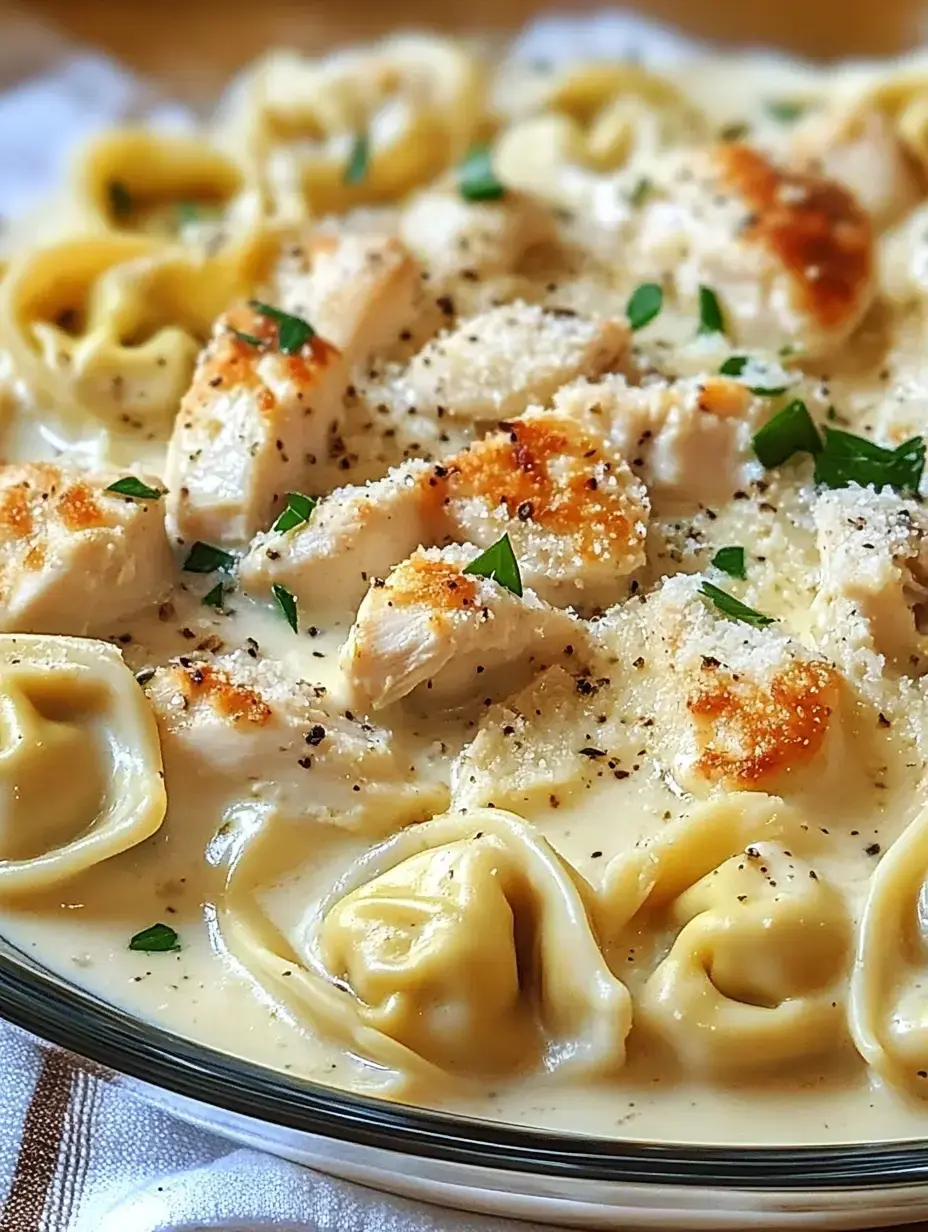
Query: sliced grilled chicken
{"points": [[282, 742], [74, 557], [251, 425], [575, 514], [431, 626]]}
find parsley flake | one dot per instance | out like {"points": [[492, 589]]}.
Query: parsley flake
{"points": [[847, 458], [297, 510], [292, 332], [784, 110], [204, 558], [286, 601], [358, 160], [711, 320], [120, 200], [215, 597], [731, 561], [640, 192], [249, 338], [738, 365], [477, 180], [158, 939], [728, 605], [790, 431], [130, 486], [499, 564], [644, 304]]}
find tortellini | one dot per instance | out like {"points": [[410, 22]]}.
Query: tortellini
{"points": [[413, 101], [109, 326], [459, 948], [574, 130], [889, 1002], [80, 761], [761, 944]]}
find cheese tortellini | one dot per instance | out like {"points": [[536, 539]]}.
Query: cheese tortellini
{"points": [[108, 328], [889, 1004], [760, 939], [80, 761], [441, 956]]}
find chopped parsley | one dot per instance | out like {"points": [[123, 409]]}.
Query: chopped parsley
{"points": [[297, 510], [644, 304], [292, 332], [790, 431], [711, 320], [249, 338], [130, 486], [728, 605], [204, 558], [784, 110], [187, 211], [641, 192], [214, 597], [731, 561], [736, 131], [286, 601], [120, 200], [499, 564], [477, 180], [157, 939], [847, 458], [358, 160], [736, 365]]}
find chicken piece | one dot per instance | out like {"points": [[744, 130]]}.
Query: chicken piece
{"points": [[282, 743], [75, 558], [860, 149], [790, 256], [252, 422], [354, 534], [431, 624], [745, 708], [494, 365], [689, 440], [873, 583], [575, 514], [528, 747], [489, 238], [359, 291]]}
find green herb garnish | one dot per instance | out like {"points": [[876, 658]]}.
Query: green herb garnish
{"points": [[297, 510], [214, 597], [711, 320], [286, 601], [731, 561], [477, 181], [157, 939], [728, 605], [358, 160], [783, 110], [204, 558], [187, 211], [846, 459], [644, 304], [736, 131], [790, 431], [499, 564], [130, 486], [735, 366], [640, 192], [120, 199], [292, 332], [249, 338]]}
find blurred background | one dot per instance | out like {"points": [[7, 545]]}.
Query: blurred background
{"points": [[192, 46]]}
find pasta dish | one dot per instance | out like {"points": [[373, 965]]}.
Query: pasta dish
{"points": [[464, 586]]}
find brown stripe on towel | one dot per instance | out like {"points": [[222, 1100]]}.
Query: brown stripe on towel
{"points": [[37, 1161]]}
